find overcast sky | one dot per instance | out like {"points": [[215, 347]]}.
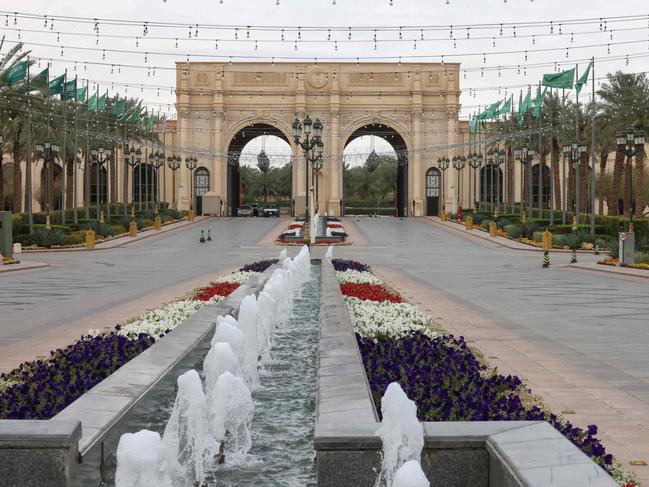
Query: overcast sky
{"points": [[615, 39]]}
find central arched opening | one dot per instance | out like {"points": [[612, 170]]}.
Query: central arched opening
{"points": [[375, 172], [260, 168]]}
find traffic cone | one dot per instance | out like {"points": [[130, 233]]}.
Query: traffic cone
{"points": [[546, 259], [202, 239], [209, 235]]}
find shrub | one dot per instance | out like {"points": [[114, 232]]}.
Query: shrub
{"points": [[46, 238], [529, 228], [559, 240], [515, 230], [146, 222], [574, 239], [614, 249], [503, 222], [75, 238], [117, 229], [537, 236], [479, 218]]}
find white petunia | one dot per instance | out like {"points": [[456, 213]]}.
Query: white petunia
{"points": [[357, 277], [239, 276]]}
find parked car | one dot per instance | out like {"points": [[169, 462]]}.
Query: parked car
{"points": [[271, 210], [246, 210], [255, 209]]}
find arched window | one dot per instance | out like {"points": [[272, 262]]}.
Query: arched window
{"points": [[491, 184], [201, 181], [145, 183], [546, 186]]}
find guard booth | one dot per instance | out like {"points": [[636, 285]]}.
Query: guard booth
{"points": [[6, 238]]}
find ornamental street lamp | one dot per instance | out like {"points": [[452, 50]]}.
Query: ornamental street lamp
{"points": [[525, 155], [574, 153], [100, 156], [317, 167], [48, 151], [475, 161], [191, 163], [132, 158], [495, 158], [174, 162], [458, 163], [157, 160], [442, 164], [312, 147], [631, 143]]}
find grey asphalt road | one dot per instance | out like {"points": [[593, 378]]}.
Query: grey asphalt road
{"points": [[596, 321], [81, 283]]}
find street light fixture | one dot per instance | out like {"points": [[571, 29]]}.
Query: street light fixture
{"points": [[631, 143], [574, 153], [191, 163], [458, 163], [313, 148], [475, 161], [158, 161], [132, 158], [174, 162], [100, 156], [442, 164], [525, 155], [48, 151]]}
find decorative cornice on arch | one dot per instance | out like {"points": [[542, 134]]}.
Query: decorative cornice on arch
{"points": [[281, 125], [398, 127]]}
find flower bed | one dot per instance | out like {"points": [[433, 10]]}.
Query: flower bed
{"points": [[440, 372], [40, 389], [371, 292]]}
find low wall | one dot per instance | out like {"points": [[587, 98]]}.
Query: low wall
{"points": [[80, 441], [456, 454]]}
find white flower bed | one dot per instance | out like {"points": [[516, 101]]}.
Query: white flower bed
{"points": [[239, 276], [357, 277], [373, 319]]}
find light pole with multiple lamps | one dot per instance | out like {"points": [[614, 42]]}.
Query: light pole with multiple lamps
{"points": [[157, 160], [132, 158], [458, 163], [475, 161], [312, 147], [574, 153], [174, 162], [48, 151], [442, 164], [191, 163], [525, 155], [631, 143], [100, 156], [495, 158]]}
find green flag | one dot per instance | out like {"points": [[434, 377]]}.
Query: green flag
{"points": [[70, 90], [583, 79], [149, 125], [56, 85], [563, 79], [134, 116], [524, 107], [538, 101], [40, 81], [81, 94], [474, 125], [118, 108], [16, 74], [492, 110], [101, 103], [506, 108], [92, 102]]}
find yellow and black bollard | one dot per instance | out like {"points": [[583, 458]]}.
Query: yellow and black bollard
{"points": [[132, 229], [493, 228], [90, 239], [547, 246], [209, 235], [596, 248], [469, 223], [573, 256], [202, 239]]}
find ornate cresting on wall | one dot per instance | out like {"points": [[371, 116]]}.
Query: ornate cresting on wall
{"points": [[216, 101]]}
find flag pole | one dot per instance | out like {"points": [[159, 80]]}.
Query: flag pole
{"points": [[578, 163], [87, 168], [541, 156], [592, 151], [63, 156], [28, 175], [529, 164], [551, 167], [75, 215], [98, 182], [109, 173], [125, 161], [564, 188]]}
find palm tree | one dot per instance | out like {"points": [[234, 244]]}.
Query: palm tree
{"points": [[625, 102]]}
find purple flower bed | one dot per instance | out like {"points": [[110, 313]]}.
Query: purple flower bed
{"points": [[448, 383], [259, 266], [345, 265], [339, 234], [47, 387]]}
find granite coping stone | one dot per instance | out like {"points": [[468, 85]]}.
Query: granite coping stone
{"points": [[342, 390], [30, 433]]}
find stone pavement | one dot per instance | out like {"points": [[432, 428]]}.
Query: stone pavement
{"points": [[22, 266], [578, 337], [50, 307]]}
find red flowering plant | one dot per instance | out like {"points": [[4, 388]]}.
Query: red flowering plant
{"points": [[293, 226], [216, 289], [334, 225], [370, 292]]}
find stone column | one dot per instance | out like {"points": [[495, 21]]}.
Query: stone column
{"points": [[334, 161]]}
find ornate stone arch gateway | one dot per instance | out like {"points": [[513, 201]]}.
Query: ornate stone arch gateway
{"points": [[217, 101]]}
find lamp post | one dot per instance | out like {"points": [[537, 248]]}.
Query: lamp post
{"points": [[458, 163], [317, 167], [442, 164], [48, 152], [312, 147], [498, 160], [475, 161], [525, 155], [174, 162], [574, 153], [132, 157], [100, 157], [157, 161], [631, 143], [191, 163]]}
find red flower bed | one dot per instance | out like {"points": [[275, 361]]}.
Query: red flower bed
{"points": [[216, 289], [293, 226], [334, 225], [371, 292]]}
